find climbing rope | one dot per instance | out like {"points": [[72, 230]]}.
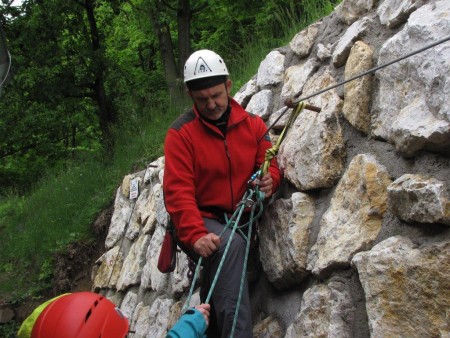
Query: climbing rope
{"points": [[253, 198]]}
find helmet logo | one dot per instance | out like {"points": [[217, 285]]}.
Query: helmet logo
{"points": [[201, 67]]}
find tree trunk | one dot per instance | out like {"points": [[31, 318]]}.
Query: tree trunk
{"points": [[162, 31], [105, 109], [184, 16]]}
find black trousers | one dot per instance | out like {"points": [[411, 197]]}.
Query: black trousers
{"points": [[226, 292]]}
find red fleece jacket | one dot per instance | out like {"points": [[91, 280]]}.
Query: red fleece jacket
{"points": [[206, 171]]}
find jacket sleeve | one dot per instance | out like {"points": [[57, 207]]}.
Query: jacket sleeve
{"points": [[179, 189], [190, 325]]}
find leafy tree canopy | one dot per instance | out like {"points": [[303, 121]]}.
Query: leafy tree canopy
{"points": [[83, 67]]}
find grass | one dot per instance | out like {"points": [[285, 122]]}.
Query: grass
{"points": [[64, 204], [290, 20]]}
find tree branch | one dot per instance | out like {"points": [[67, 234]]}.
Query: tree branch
{"points": [[199, 8], [169, 6]]}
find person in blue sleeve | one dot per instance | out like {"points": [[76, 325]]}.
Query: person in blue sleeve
{"points": [[192, 324]]}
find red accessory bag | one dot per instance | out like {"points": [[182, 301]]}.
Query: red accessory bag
{"points": [[168, 254]]}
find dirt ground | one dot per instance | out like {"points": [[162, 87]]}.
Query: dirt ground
{"points": [[73, 268]]}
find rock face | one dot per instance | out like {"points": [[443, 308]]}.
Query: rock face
{"points": [[284, 237], [419, 118], [354, 218], [357, 241], [410, 298]]}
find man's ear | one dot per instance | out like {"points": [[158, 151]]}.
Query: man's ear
{"points": [[229, 85]]}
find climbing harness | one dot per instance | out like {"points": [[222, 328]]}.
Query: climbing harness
{"points": [[253, 198]]}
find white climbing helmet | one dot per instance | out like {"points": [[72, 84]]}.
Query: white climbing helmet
{"points": [[202, 64]]}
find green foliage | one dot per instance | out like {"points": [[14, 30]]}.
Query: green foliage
{"points": [[9, 330], [46, 113], [278, 22], [64, 204]]}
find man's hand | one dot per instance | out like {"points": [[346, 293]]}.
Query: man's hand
{"points": [[207, 244], [265, 184]]}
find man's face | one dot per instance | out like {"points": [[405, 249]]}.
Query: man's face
{"points": [[212, 102]]}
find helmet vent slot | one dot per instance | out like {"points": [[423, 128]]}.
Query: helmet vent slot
{"points": [[88, 314]]}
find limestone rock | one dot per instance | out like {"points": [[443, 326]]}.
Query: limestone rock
{"points": [[419, 198], [126, 182], [416, 128], [110, 264], [407, 288], [393, 13], [119, 219], [152, 174], [303, 42], [152, 321], [354, 32], [133, 263], [296, 77], [140, 215], [147, 211], [284, 239], [114, 296], [358, 92], [129, 304], [271, 70], [323, 52], [326, 311], [175, 314], [172, 284], [160, 212], [413, 110], [354, 218], [261, 104], [159, 317], [278, 122], [246, 92], [141, 321], [349, 11], [152, 278], [312, 154]]}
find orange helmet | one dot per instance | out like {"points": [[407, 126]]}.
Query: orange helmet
{"points": [[81, 315]]}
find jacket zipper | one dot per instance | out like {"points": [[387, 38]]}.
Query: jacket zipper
{"points": [[229, 167]]}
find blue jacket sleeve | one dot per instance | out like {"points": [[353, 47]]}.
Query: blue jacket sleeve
{"points": [[190, 325]]}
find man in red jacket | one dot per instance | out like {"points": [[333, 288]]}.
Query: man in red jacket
{"points": [[210, 154]]}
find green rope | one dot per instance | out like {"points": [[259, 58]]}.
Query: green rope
{"points": [[234, 222], [259, 204]]}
